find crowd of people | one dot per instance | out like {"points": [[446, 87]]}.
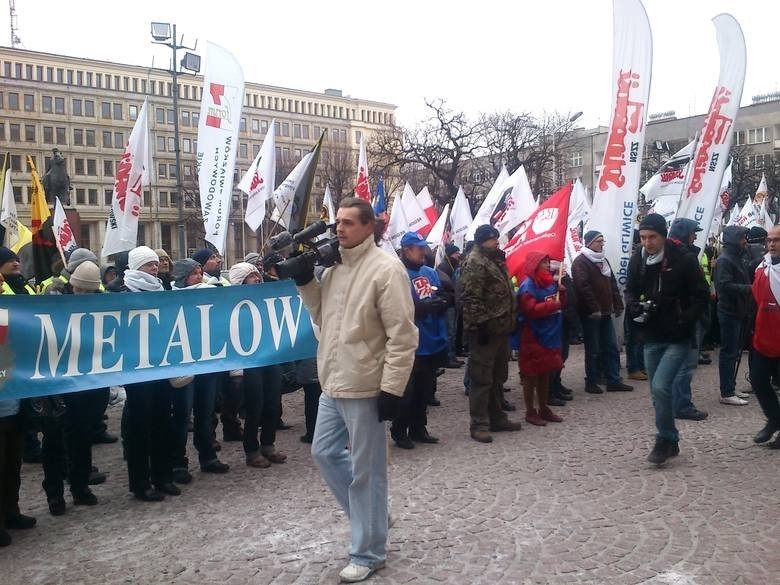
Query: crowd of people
{"points": [[387, 330]]}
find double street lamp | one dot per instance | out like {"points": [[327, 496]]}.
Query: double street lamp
{"points": [[164, 33]]}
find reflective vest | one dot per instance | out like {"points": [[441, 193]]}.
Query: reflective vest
{"points": [[8, 291], [49, 281]]}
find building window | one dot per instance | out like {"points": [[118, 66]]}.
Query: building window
{"points": [[29, 132], [759, 161], [576, 159], [105, 110], [187, 170], [61, 136], [98, 80], [172, 171], [108, 195], [255, 126], [159, 115], [90, 138], [161, 144], [186, 145], [358, 136], [162, 198], [185, 118], [119, 139], [758, 135], [92, 197], [118, 115], [77, 107], [171, 144], [108, 168], [133, 111], [46, 104], [29, 102], [296, 130], [285, 154], [80, 200], [255, 150], [285, 128], [13, 101], [89, 108], [170, 116], [15, 132], [162, 171], [48, 135], [78, 166], [2, 130], [195, 119], [242, 125], [263, 126], [243, 151], [297, 154], [79, 78], [78, 137], [59, 105], [89, 78], [16, 162], [107, 143], [91, 167]]}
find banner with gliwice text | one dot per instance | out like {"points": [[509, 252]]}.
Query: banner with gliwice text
{"points": [[220, 116], [615, 193], [56, 344]]}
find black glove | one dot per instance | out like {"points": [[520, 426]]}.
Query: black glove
{"points": [[388, 405], [431, 305], [483, 336], [305, 270]]}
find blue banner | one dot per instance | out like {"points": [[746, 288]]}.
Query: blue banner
{"points": [[55, 344]]}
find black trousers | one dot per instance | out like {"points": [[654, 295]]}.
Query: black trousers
{"points": [[413, 415], [232, 402], [262, 397], [67, 441], [11, 446], [149, 434], [762, 369], [311, 404]]}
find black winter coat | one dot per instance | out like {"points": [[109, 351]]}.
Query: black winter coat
{"points": [[732, 277]]}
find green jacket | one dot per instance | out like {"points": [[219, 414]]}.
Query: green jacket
{"points": [[488, 299]]}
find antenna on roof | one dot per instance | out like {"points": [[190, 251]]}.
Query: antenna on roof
{"points": [[15, 40]]}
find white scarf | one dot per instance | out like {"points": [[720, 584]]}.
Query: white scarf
{"points": [[652, 259], [772, 272], [193, 286], [599, 260], [138, 281]]}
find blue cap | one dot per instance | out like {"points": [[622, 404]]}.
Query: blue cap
{"points": [[412, 239]]}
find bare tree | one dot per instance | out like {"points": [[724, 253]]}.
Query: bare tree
{"points": [[338, 168]]}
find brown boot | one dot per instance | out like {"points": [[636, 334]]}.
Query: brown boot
{"points": [[548, 415], [273, 455], [481, 436], [533, 417], [258, 460]]}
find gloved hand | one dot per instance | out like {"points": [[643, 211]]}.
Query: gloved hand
{"points": [[483, 336], [305, 272], [388, 405], [595, 315], [431, 305]]}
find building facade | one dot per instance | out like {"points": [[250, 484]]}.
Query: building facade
{"points": [[86, 108]]}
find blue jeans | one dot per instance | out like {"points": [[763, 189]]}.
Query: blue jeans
{"points": [[357, 476], [635, 351], [664, 361], [203, 414], [731, 331], [601, 347]]}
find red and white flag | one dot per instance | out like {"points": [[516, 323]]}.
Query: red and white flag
{"points": [[544, 231], [259, 181], [362, 190], [220, 116], [416, 219], [64, 235], [516, 203], [426, 202], [460, 218], [669, 178], [485, 211], [615, 193], [747, 216], [710, 158], [759, 200], [132, 175]]}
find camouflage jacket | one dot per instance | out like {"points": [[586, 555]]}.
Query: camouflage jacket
{"points": [[487, 294]]}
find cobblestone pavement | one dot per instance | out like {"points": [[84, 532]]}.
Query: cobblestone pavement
{"points": [[569, 503]]}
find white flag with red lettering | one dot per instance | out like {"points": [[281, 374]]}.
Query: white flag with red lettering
{"points": [[362, 190], [396, 228], [485, 211], [710, 158], [669, 178], [64, 235], [615, 193], [132, 175], [220, 116], [516, 204], [416, 219], [426, 202], [259, 181]]}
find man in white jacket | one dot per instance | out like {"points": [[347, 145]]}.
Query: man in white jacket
{"points": [[368, 338]]}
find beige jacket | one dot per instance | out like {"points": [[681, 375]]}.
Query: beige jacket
{"points": [[365, 311]]}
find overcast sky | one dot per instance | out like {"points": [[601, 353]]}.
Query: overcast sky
{"points": [[481, 56]]}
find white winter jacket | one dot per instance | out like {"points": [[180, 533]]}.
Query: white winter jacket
{"points": [[365, 311]]}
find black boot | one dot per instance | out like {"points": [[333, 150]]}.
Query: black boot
{"points": [[663, 450]]}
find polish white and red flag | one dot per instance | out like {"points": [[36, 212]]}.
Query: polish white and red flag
{"points": [[426, 202], [416, 219], [132, 175], [65, 240], [259, 181], [362, 190]]}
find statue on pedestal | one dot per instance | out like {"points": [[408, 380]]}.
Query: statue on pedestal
{"points": [[56, 182]]}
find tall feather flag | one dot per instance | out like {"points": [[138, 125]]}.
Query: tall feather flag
{"points": [[615, 193], [132, 175], [293, 195], [710, 157], [66, 241], [362, 189], [44, 247], [259, 181]]}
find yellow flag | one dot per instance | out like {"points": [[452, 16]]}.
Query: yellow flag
{"points": [[39, 210]]}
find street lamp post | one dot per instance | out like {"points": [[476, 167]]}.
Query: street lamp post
{"points": [[164, 33], [573, 118]]}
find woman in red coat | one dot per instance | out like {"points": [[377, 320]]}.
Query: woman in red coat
{"points": [[539, 306]]}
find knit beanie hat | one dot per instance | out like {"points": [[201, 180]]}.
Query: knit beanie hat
{"points": [[202, 256], [484, 233], [253, 258], [654, 222], [451, 249], [181, 270], [6, 255], [140, 256], [86, 276], [163, 254], [239, 272], [79, 256], [590, 236]]}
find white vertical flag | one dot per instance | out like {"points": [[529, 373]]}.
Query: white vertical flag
{"points": [[415, 214], [460, 218], [702, 185], [132, 175], [426, 202], [485, 211], [439, 230], [362, 190], [328, 213], [615, 193], [66, 242], [220, 115], [259, 181], [735, 212], [396, 227], [747, 216], [760, 202], [516, 204], [8, 216]]}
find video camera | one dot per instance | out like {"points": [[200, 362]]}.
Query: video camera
{"points": [[322, 252]]}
